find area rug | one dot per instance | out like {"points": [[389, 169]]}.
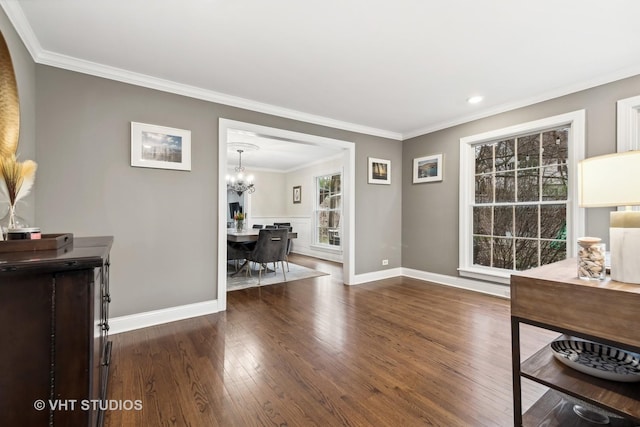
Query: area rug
{"points": [[296, 272]]}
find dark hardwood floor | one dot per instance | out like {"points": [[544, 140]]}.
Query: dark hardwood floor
{"points": [[395, 352]]}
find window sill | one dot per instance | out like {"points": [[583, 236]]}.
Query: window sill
{"points": [[486, 274]]}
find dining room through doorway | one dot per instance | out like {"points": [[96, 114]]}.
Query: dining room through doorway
{"points": [[272, 153]]}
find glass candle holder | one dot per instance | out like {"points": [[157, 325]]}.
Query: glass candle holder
{"points": [[591, 259]]}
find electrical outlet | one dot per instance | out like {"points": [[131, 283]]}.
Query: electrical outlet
{"points": [[385, 262]]}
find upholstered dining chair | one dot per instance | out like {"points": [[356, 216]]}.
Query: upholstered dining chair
{"points": [[257, 226], [236, 252], [270, 247], [289, 242]]}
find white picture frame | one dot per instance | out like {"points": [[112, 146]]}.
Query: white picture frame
{"points": [[379, 171], [427, 169], [160, 147]]}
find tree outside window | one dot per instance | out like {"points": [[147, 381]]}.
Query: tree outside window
{"points": [[518, 196], [521, 195], [328, 210]]}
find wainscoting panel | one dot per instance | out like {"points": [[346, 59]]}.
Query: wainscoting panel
{"points": [[303, 225]]}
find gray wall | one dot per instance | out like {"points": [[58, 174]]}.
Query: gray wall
{"points": [[164, 222], [430, 211], [378, 234], [24, 69]]}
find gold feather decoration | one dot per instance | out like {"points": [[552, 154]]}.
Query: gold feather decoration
{"points": [[17, 178]]}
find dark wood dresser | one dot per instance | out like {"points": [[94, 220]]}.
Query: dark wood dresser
{"points": [[54, 348]]}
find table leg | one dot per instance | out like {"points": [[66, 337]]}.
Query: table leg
{"points": [[515, 370], [244, 265]]}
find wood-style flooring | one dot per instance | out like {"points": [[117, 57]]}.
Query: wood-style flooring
{"points": [[395, 352]]}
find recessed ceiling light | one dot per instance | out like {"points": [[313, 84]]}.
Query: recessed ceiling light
{"points": [[475, 99]]}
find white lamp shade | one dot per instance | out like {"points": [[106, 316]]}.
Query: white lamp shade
{"points": [[609, 180]]}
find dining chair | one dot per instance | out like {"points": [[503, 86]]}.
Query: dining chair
{"points": [[270, 247], [271, 226], [289, 242], [282, 224], [236, 252], [257, 225]]}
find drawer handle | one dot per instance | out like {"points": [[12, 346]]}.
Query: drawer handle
{"points": [[71, 263]]}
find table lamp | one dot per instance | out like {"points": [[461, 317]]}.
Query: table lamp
{"points": [[614, 180]]}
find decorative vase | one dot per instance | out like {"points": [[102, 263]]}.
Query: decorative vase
{"points": [[591, 259], [11, 220], [239, 225]]}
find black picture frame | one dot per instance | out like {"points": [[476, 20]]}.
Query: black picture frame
{"points": [[297, 194]]}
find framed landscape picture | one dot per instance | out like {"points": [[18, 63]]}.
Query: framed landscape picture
{"points": [[160, 147], [379, 171], [427, 169]]}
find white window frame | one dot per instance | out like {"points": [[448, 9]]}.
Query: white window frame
{"points": [[316, 208], [575, 215], [628, 124], [628, 129]]}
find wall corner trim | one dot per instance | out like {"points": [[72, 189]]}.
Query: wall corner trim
{"points": [[158, 317]]}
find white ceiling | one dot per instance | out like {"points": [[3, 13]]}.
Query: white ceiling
{"points": [[389, 68], [274, 154]]}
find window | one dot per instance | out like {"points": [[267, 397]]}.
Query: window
{"points": [[328, 210], [517, 207]]}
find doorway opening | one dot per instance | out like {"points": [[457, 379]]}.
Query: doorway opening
{"points": [[229, 129]]}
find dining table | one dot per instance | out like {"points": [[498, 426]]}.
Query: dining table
{"points": [[249, 235], [245, 236]]}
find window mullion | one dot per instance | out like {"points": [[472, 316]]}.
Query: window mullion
{"points": [[493, 201], [540, 170], [516, 199]]}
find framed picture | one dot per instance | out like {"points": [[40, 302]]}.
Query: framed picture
{"points": [[427, 169], [379, 171], [160, 147], [297, 194]]}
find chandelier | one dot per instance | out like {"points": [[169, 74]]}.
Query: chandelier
{"points": [[238, 183]]}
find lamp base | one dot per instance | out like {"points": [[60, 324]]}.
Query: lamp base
{"points": [[624, 242]]}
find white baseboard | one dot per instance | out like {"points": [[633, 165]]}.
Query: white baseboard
{"points": [[376, 275], [172, 314], [495, 289], [157, 317]]}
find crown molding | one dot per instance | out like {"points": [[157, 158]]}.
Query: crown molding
{"points": [[42, 56], [138, 79], [16, 16], [546, 96]]}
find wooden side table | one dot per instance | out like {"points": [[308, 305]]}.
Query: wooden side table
{"points": [[608, 312]]}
